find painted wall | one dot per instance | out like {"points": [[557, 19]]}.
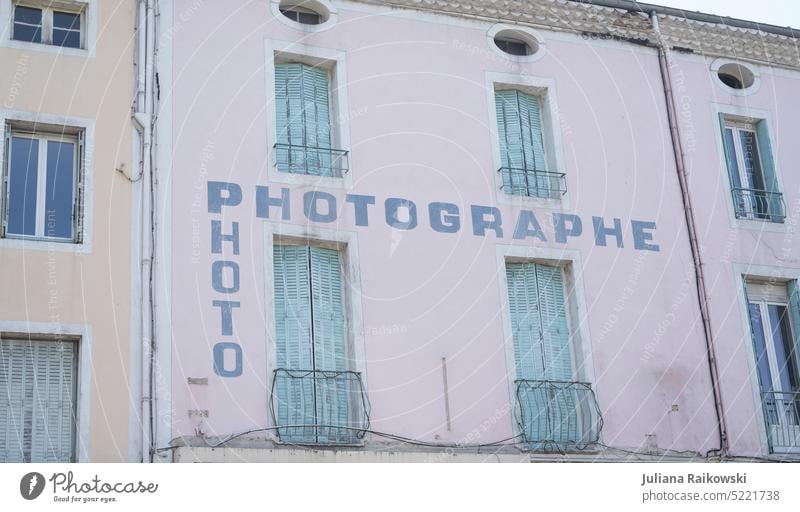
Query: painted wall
{"points": [[90, 288], [419, 121]]}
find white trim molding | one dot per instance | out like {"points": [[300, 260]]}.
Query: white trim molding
{"points": [[716, 64], [533, 38]]}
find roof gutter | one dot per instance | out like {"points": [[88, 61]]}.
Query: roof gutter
{"points": [[648, 9]]}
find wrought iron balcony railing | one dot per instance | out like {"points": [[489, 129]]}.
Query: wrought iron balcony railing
{"points": [[558, 416], [310, 160], [782, 415], [532, 183], [319, 407], [759, 205]]}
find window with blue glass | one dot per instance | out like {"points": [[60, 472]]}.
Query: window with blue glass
{"points": [[774, 314], [751, 169], [41, 22], [42, 185]]}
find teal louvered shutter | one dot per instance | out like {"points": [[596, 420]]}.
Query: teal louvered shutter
{"points": [[329, 343], [294, 387], [521, 143], [525, 321], [775, 202], [794, 314], [302, 111], [37, 401], [542, 353]]}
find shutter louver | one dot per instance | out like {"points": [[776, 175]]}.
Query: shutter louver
{"points": [[37, 401], [521, 143], [302, 110]]}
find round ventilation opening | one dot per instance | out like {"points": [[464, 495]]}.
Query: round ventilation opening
{"points": [[516, 43], [736, 76], [305, 12]]}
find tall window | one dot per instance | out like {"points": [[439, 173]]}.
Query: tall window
{"points": [[303, 110], [755, 190], [37, 400], [319, 399], [774, 321], [41, 22], [554, 409], [42, 185], [523, 162]]}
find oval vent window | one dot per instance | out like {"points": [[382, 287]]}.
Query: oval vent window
{"points": [[736, 76], [306, 13], [516, 43]]}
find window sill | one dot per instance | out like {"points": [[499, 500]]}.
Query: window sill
{"points": [[47, 48], [44, 245]]}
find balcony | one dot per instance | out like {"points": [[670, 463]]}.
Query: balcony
{"points": [[558, 416], [782, 415], [311, 161], [315, 407], [532, 183], [759, 205]]}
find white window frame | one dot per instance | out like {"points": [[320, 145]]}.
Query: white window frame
{"points": [[86, 8], [752, 116], [322, 7], [738, 127], [747, 274], [334, 61], [76, 333], [346, 243], [54, 123], [44, 136], [545, 90]]}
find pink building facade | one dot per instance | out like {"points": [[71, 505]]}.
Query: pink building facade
{"points": [[470, 168]]}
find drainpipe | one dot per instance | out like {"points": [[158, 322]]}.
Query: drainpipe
{"points": [[143, 121], [702, 293]]}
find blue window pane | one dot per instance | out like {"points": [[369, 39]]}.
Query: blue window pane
{"points": [[22, 186], [784, 347], [67, 20], [762, 362], [66, 38], [28, 15], [28, 24], [60, 189], [27, 33], [752, 162]]}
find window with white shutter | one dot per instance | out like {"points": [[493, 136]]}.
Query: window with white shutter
{"points": [[38, 383]]}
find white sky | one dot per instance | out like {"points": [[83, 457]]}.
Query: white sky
{"points": [[775, 12]]}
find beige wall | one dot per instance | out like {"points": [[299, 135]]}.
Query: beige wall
{"points": [[93, 289]]}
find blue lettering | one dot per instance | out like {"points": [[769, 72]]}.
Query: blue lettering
{"points": [[480, 224], [527, 225], [226, 315], [360, 204], [219, 359], [444, 217], [310, 200], [216, 199], [640, 237], [216, 276], [601, 232], [393, 205], [217, 237], [562, 231], [264, 202]]}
